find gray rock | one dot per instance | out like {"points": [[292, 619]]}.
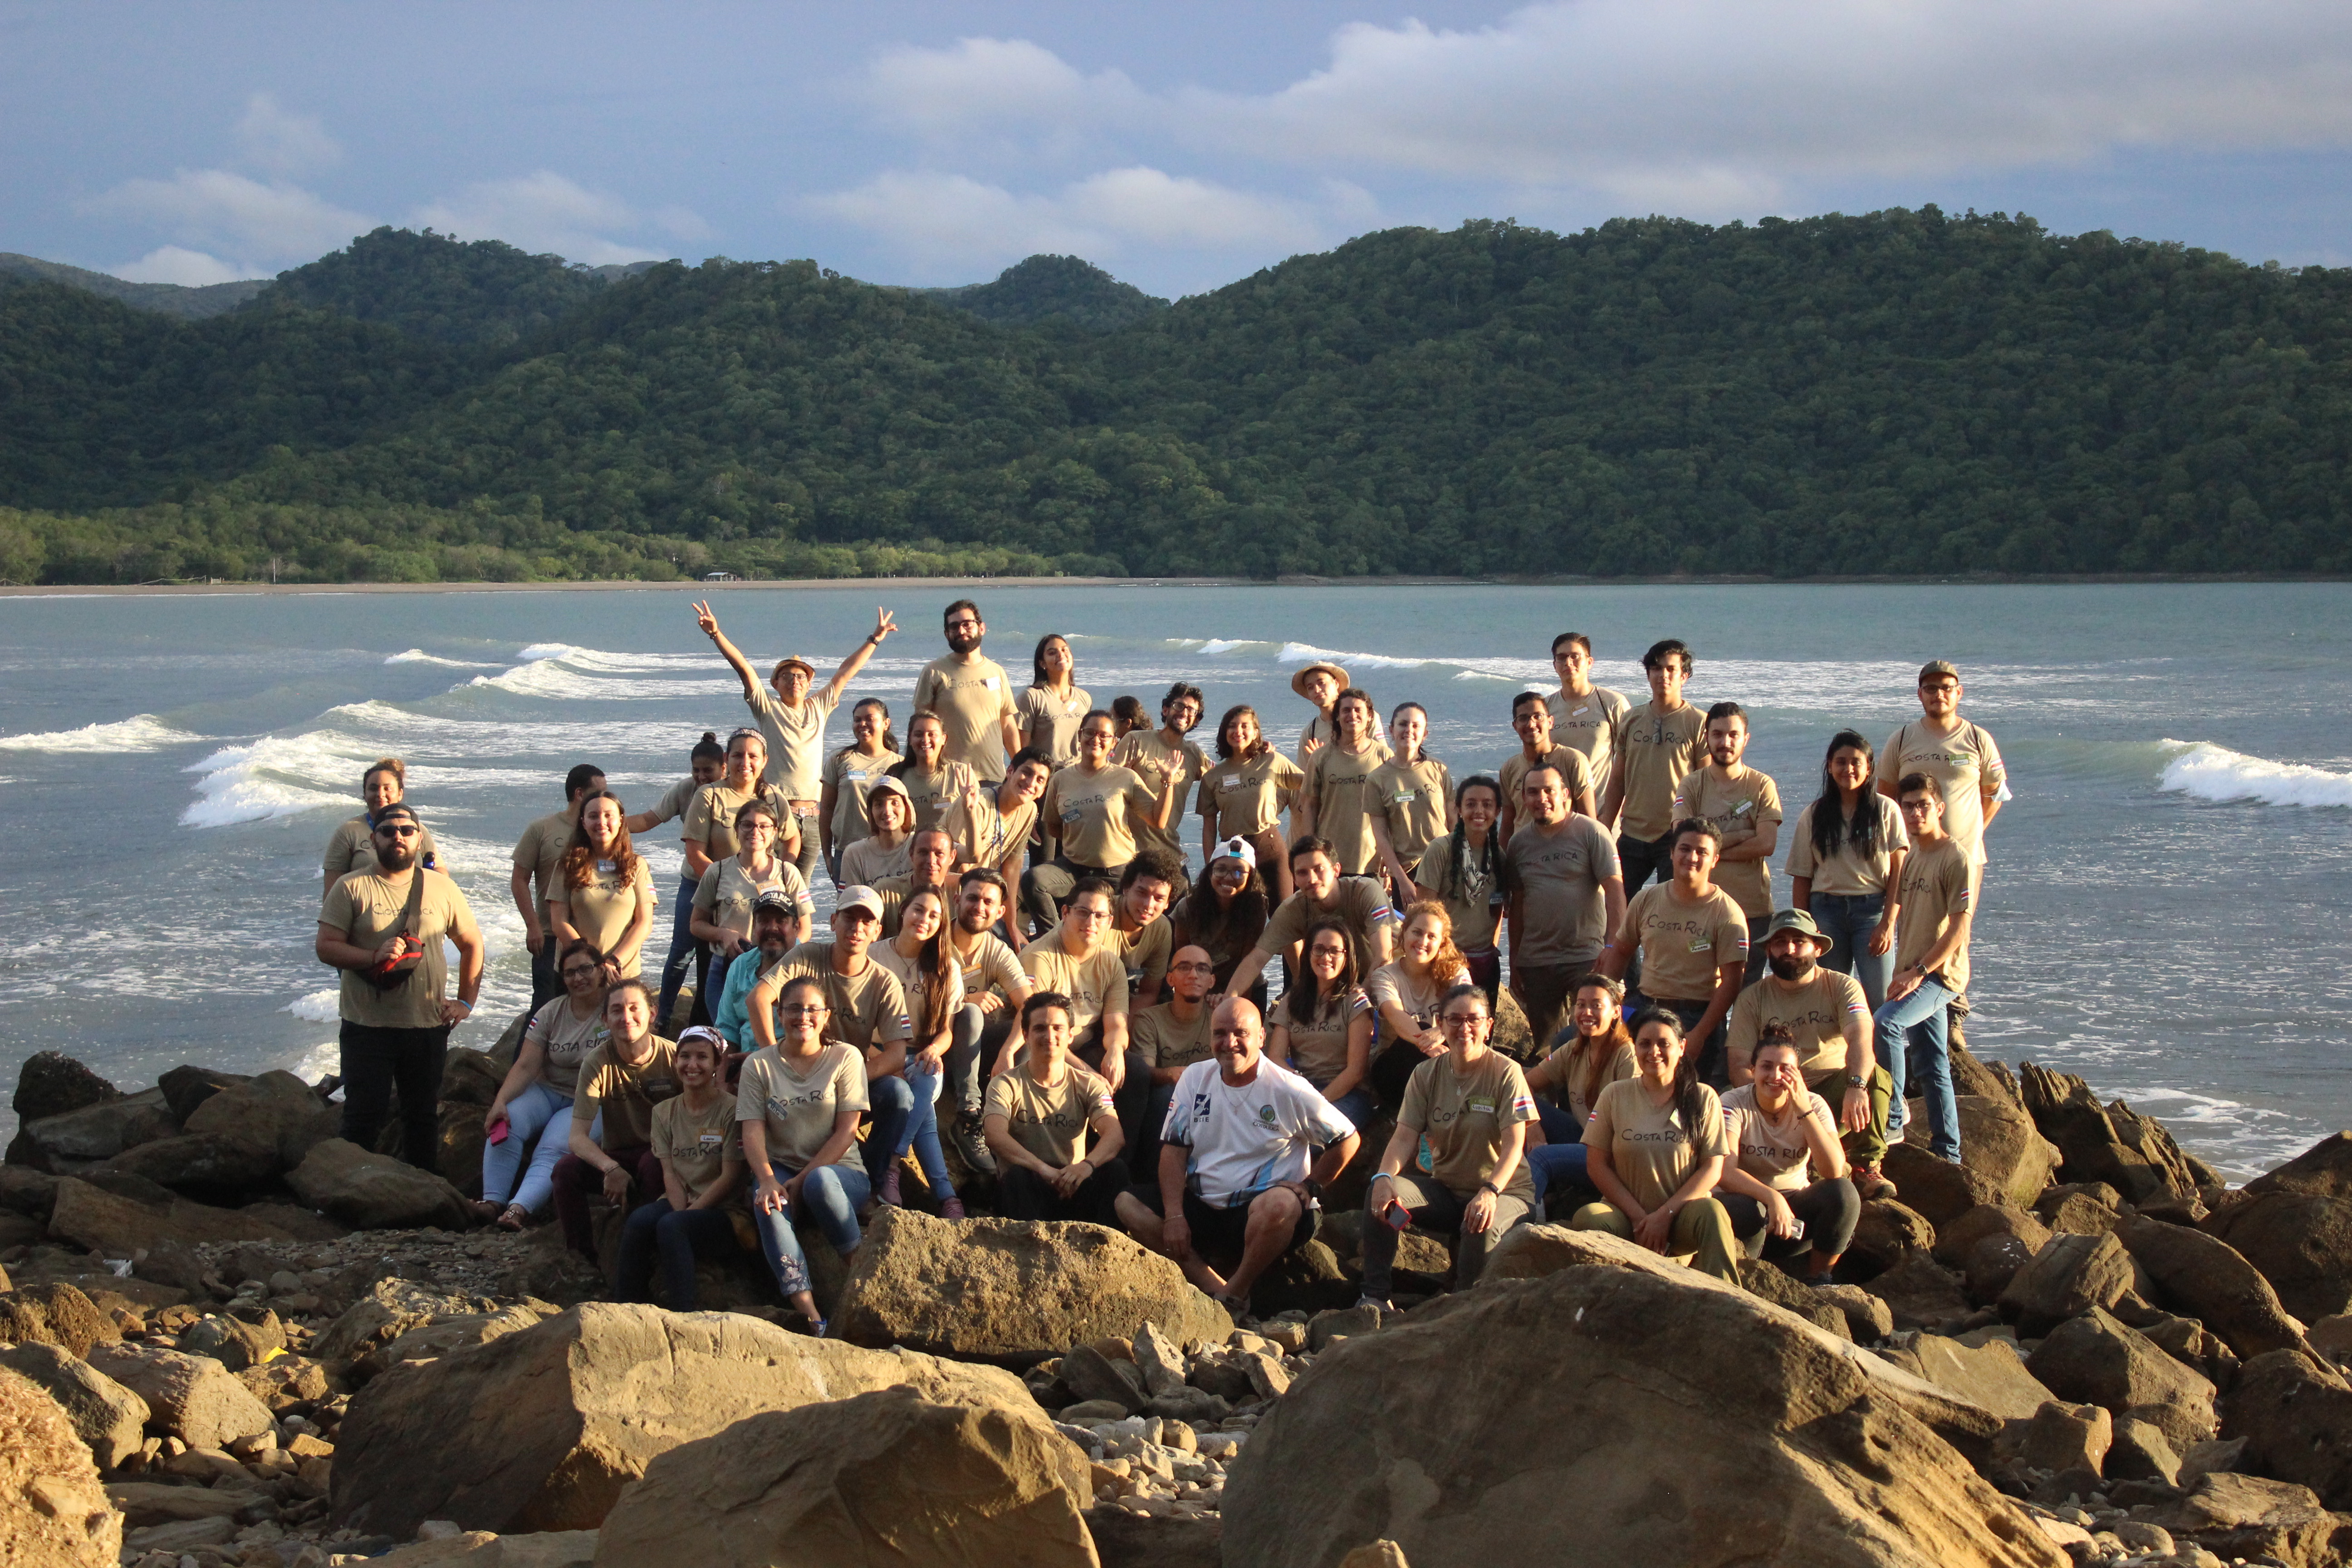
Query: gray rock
{"points": [[2142, 1452], [2097, 1360], [1092, 1375], [81, 1138], [375, 1191], [1161, 1360], [105, 1414], [2070, 1276]]}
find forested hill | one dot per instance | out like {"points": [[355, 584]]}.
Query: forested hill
{"points": [[1897, 393]]}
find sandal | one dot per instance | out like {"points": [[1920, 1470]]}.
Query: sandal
{"points": [[515, 1218]]}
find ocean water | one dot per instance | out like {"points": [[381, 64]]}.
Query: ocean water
{"points": [[2166, 912]]}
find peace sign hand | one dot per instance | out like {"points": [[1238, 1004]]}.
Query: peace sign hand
{"points": [[706, 620], [884, 625]]}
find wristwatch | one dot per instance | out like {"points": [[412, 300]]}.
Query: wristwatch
{"points": [[1853, 1081]]}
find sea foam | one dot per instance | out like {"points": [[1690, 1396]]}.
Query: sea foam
{"points": [[145, 733], [2215, 772]]}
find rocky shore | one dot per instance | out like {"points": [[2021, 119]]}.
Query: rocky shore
{"points": [[227, 1336]]}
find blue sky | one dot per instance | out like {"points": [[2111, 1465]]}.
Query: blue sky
{"points": [[1180, 147]]}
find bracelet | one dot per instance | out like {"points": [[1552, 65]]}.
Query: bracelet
{"points": [[461, 1002], [1490, 1189]]}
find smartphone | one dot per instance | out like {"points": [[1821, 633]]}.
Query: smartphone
{"points": [[1396, 1215], [498, 1130]]}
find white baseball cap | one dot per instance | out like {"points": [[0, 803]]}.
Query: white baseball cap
{"points": [[1237, 849]]}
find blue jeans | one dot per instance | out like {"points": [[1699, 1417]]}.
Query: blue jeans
{"points": [[832, 1196], [923, 1132], [890, 1105], [1912, 1037], [676, 1236], [1559, 1158], [537, 1112], [1847, 920], [681, 949]]}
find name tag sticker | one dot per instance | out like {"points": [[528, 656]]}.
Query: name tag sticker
{"points": [[1743, 808], [989, 681], [1479, 1107], [1702, 944], [712, 1140], [1579, 711], [1225, 785], [1404, 795]]}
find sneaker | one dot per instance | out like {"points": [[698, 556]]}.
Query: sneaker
{"points": [[1872, 1182], [888, 1192], [952, 1207], [1380, 1301], [818, 1331], [1820, 1282], [971, 1147]]}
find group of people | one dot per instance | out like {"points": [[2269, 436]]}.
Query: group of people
{"points": [[1566, 981]]}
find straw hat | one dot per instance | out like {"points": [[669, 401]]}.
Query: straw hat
{"points": [[1337, 673]]}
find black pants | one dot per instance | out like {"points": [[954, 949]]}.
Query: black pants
{"points": [[1641, 859], [1023, 1193], [1045, 888], [546, 985], [375, 1059], [1829, 1210], [1131, 1101]]}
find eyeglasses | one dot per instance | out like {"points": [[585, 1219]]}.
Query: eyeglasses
{"points": [[805, 1010], [1192, 968], [396, 830], [1461, 1020], [582, 971]]}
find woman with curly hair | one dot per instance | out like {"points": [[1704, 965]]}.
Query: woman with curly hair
{"points": [[604, 890]]}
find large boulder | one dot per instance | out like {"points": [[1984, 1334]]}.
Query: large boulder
{"points": [[204, 1165], [2206, 1279], [2240, 1518], [276, 1111], [368, 1191], [1724, 1428], [53, 1512], [2324, 1170], [55, 1313], [78, 1139], [116, 1226], [1956, 1240], [52, 1083], [106, 1415], [187, 1087], [2139, 1162], [2300, 1242], [1920, 1293], [1999, 1144], [1886, 1231], [1938, 1190], [886, 1477], [2295, 1413], [1990, 1375], [2070, 1275], [540, 1430], [192, 1397], [2099, 1360], [1013, 1290]]}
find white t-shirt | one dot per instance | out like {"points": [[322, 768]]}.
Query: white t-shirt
{"points": [[1246, 1138]]}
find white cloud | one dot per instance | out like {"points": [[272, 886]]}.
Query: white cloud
{"points": [[174, 264], [545, 212], [956, 222], [284, 143], [997, 83], [228, 213]]}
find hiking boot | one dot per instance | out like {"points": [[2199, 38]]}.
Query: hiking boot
{"points": [[952, 1207], [1872, 1182], [888, 1192], [970, 1147]]}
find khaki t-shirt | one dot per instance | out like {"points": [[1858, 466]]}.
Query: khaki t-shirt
{"points": [[371, 910], [1339, 782], [1470, 901], [1738, 807], [868, 1009], [565, 1040], [990, 836], [988, 965], [1317, 1047], [851, 772], [1050, 1121], [1095, 984], [934, 790], [1164, 1042], [1151, 759], [1658, 748], [1244, 796], [697, 1145], [728, 893], [1145, 953], [353, 848], [1588, 724], [1061, 717], [1559, 875], [912, 981], [1412, 798], [866, 862], [1650, 1149], [1575, 772], [799, 1102], [1359, 901], [710, 816], [1391, 986], [672, 802], [1461, 1117], [796, 740], [1846, 872], [603, 908], [626, 1094], [540, 849], [1776, 1152], [1813, 1012], [972, 700], [1100, 814], [1684, 944], [1565, 1071], [1939, 887], [1966, 763]]}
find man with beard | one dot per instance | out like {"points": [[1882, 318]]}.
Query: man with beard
{"points": [[1171, 1036], [775, 927], [973, 700], [1828, 1020], [1745, 806], [993, 990], [383, 928]]}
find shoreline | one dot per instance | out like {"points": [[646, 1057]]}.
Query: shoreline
{"points": [[615, 584]]}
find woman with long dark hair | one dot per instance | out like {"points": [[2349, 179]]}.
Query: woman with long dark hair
{"points": [[1225, 913], [605, 891], [932, 779], [1338, 800], [706, 764], [1243, 794], [933, 982], [1845, 866], [1656, 1148], [1598, 1052], [1055, 703], [849, 772], [1323, 1028], [1461, 869]]}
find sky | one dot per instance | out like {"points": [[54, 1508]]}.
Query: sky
{"points": [[1181, 145]]}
